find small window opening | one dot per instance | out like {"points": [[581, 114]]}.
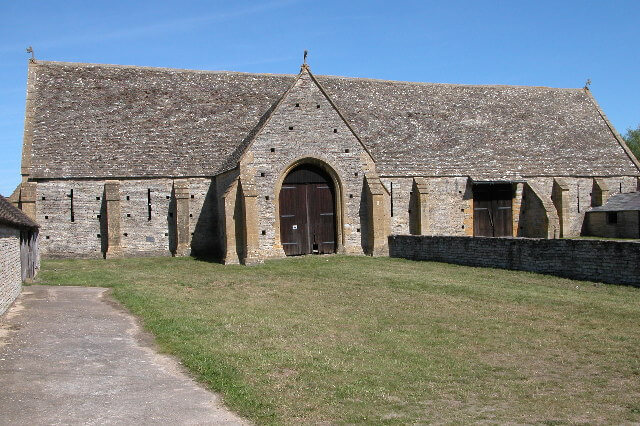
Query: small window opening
{"points": [[192, 234], [350, 195], [148, 204], [264, 232], [297, 105], [97, 198], [190, 215], [128, 214], [318, 106], [266, 197], [125, 234], [193, 196], [166, 234], [335, 130], [46, 217], [273, 150], [621, 187], [47, 237], [44, 198], [290, 127], [612, 218], [346, 150], [98, 216], [355, 174], [168, 197], [98, 235], [127, 198], [261, 174], [358, 230]]}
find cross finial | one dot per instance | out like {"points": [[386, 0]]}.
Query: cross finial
{"points": [[33, 56], [587, 84]]}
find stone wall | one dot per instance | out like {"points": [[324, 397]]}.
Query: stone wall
{"points": [[10, 276], [627, 226], [305, 127], [613, 262], [147, 217]]}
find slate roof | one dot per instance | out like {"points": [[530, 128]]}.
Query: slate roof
{"points": [[13, 216], [620, 202], [123, 121]]}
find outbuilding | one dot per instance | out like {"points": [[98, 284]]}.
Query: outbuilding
{"points": [[619, 217], [19, 258]]}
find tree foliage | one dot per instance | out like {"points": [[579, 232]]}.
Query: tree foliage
{"points": [[632, 138]]}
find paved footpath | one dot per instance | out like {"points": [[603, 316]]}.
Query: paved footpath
{"points": [[70, 355]]}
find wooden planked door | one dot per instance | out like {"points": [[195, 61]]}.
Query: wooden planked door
{"points": [[492, 210], [307, 212], [294, 232], [322, 225]]}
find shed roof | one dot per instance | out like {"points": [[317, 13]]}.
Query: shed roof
{"points": [[620, 202], [13, 216], [94, 120]]}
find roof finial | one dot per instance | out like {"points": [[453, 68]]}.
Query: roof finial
{"points": [[304, 65], [32, 59], [587, 84]]}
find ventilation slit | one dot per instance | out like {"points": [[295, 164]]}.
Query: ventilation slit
{"points": [[73, 219], [149, 204]]}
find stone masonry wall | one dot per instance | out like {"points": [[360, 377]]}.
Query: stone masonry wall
{"points": [[10, 276], [143, 233], [449, 205], [305, 125], [628, 225], [613, 262]]}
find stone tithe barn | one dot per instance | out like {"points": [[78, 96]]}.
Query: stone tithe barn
{"points": [[127, 161]]}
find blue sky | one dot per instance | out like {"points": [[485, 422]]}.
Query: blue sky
{"points": [[542, 43]]}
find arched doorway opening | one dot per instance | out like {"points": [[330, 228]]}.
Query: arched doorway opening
{"points": [[307, 209]]}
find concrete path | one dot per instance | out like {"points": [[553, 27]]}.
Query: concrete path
{"points": [[69, 355]]}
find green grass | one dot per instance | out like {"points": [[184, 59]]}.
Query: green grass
{"points": [[337, 339]]}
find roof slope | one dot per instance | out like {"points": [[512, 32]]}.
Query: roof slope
{"points": [[13, 216], [480, 131], [114, 121], [620, 202], [123, 121]]}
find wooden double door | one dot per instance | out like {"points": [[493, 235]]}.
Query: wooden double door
{"points": [[307, 212], [492, 211]]}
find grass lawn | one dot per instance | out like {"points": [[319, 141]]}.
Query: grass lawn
{"points": [[376, 340]]}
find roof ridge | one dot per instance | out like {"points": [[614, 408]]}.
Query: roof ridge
{"points": [[425, 83], [377, 80], [147, 67]]}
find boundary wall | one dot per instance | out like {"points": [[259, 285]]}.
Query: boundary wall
{"points": [[615, 262]]}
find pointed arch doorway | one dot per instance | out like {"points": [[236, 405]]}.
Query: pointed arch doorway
{"points": [[307, 208]]}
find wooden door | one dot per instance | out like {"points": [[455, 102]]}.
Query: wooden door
{"points": [[492, 211], [307, 212], [294, 232], [322, 229]]}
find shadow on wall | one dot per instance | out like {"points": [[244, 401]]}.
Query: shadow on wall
{"points": [[240, 227], [366, 225], [172, 223], [206, 242], [104, 230], [533, 221]]}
